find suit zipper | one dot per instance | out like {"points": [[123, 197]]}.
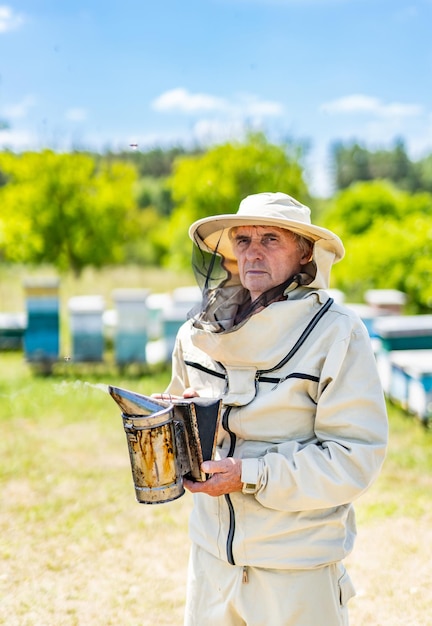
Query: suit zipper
{"points": [[231, 531]]}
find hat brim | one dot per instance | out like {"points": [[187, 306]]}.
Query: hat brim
{"points": [[212, 232]]}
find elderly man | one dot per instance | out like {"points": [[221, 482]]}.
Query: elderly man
{"points": [[304, 426]]}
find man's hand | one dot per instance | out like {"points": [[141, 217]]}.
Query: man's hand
{"points": [[187, 393], [226, 478]]}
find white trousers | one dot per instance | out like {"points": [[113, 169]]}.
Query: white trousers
{"points": [[220, 594]]}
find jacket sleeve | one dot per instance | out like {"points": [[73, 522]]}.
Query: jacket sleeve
{"points": [[350, 438]]}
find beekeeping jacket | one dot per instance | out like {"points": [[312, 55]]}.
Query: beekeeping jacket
{"points": [[303, 409]]}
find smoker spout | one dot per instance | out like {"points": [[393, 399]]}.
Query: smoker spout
{"points": [[132, 403]]}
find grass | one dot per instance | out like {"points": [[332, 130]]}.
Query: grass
{"points": [[76, 548], [404, 488]]}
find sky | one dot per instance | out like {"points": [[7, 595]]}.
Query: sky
{"points": [[93, 74]]}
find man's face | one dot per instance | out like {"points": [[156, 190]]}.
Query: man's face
{"points": [[266, 257]]}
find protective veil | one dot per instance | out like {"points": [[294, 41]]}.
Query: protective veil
{"points": [[226, 303]]}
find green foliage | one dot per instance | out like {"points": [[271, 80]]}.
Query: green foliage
{"points": [[82, 209], [388, 237], [423, 171], [154, 192], [216, 182], [148, 248], [353, 162], [155, 162], [355, 210], [64, 210]]}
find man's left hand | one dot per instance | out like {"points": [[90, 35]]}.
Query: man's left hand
{"points": [[226, 478]]}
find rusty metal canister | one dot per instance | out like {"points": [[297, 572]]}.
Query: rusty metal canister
{"points": [[153, 456]]}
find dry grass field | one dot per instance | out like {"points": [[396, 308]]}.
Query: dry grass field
{"points": [[76, 548]]}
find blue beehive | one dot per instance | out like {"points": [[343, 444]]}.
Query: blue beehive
{"points": [[131, 329], [405, 332], [12, 329], [411, 381], [86, 326], [41, 338], [405, 361]]}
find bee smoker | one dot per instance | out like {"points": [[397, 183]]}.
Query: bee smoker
{"points": [[167, 441]]}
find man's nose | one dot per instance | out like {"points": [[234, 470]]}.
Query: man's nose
{"points": [[254, 250]]}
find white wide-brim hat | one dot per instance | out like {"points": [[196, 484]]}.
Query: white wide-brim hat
{"points": [[263, 209]]}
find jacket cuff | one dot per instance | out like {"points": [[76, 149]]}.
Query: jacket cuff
{"points": [[249, 475]]}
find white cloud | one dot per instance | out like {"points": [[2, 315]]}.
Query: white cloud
{"points": [[358, 103], [17, 140], [397, 109], [219, 119], [8, 19], [19, 110], [241, 105], [182, 100], [76, 114]]}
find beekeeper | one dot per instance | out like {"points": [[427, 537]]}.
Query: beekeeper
{"points": [[304, 426]]}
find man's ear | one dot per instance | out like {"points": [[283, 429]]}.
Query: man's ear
{"points": [[306, 258]]}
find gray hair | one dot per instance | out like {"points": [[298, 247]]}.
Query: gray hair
{"points": [[304, 245]]}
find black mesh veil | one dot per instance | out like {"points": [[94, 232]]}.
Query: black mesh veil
{"points": [[208, 268], [222, 293]]}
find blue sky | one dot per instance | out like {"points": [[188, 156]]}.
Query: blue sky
{"points": [[97, 74]]}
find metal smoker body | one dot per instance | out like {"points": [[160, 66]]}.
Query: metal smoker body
{"points": [[166, 441]]}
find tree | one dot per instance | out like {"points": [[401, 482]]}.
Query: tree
{"points": [[154, 192], [388, 239], [354, 210], [353, 163], [64, 210], [215, 182], [423, 169], [156, 162]]}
